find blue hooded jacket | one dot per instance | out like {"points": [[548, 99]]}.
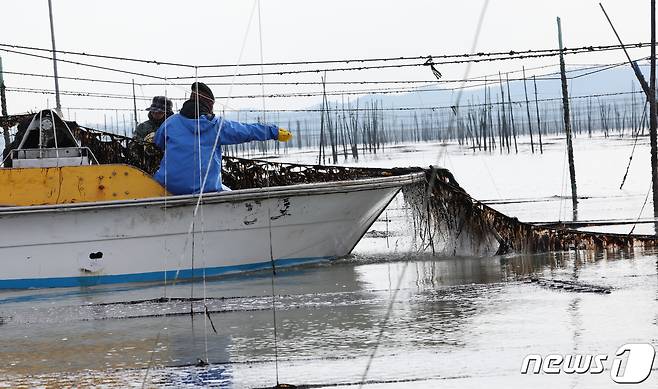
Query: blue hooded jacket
{"points": [[180, 163]]}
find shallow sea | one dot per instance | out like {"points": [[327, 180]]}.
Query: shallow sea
{"points": [[387, 316]]}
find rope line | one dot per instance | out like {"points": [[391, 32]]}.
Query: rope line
{"points": [[423, 61], [315, 94], [84, 64], [296, 83], [646, 198], [637, 136], [509, 53]]}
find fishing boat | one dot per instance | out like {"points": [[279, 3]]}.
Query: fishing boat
{"points": [[67, 220]]}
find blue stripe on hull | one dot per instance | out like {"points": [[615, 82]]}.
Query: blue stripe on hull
{"points": [[156, 276]]}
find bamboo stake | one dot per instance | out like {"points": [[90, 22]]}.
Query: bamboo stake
{"points": [[503, 118], [567, 125], [321, 146], [511, 114], [541, 147], [3, 103], [135, 105], [653, 123], [527, 106]]}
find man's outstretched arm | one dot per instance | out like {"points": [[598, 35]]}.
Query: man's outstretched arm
{"points": [[235, 132]]}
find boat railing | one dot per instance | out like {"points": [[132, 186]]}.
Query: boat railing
{"points": [[52, 157]]}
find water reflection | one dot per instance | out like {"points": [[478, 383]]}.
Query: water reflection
{"points": [[557, 263], [447, 312]]}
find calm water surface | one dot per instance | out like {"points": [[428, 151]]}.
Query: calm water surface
{"points": [[429, 321]]}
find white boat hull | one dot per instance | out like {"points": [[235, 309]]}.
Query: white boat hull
{"points": [[151, 240]]}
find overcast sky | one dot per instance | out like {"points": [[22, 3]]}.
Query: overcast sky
{"points": [[212, 32]]}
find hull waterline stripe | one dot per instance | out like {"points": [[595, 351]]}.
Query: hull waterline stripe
{"points": [[157, 276]]}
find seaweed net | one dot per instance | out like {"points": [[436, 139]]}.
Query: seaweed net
{"points": [[12, 120], [237, 173], [113, 148], [446, 219], [452, 222]]}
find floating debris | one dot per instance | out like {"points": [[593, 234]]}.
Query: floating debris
{"points": [[382, 234], [571, 286]]}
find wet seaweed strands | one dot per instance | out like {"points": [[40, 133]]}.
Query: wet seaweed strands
{"points": [[464, 226]]}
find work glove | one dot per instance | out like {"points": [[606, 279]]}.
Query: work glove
{"points": [[284, 135], [149, 137]]}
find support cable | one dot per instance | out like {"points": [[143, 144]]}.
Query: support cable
{"points": [[478, 56]]}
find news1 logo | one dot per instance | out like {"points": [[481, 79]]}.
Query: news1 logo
{"points": [[631, 363]]}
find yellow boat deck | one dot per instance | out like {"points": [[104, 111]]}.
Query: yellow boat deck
{"points": [[75, 184]]}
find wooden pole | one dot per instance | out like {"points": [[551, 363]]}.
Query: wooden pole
{"points": [[636, 69], [135, 105], [3, 103], [503, 119], [492, 133], [511, 114], [320, 157], [567, 124], [652, 115], [500, 132], [589, 117], [355, 130], [58, 108], [541, 147], [484, 116], [527, 106]]}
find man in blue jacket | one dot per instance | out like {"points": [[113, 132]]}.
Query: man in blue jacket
{"points": [[188, 137]]}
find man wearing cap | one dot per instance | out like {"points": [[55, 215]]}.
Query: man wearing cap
{"points": [[160, 109], [192, 141]]}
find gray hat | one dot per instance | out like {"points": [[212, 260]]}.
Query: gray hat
{"points": [[160, 104]]}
